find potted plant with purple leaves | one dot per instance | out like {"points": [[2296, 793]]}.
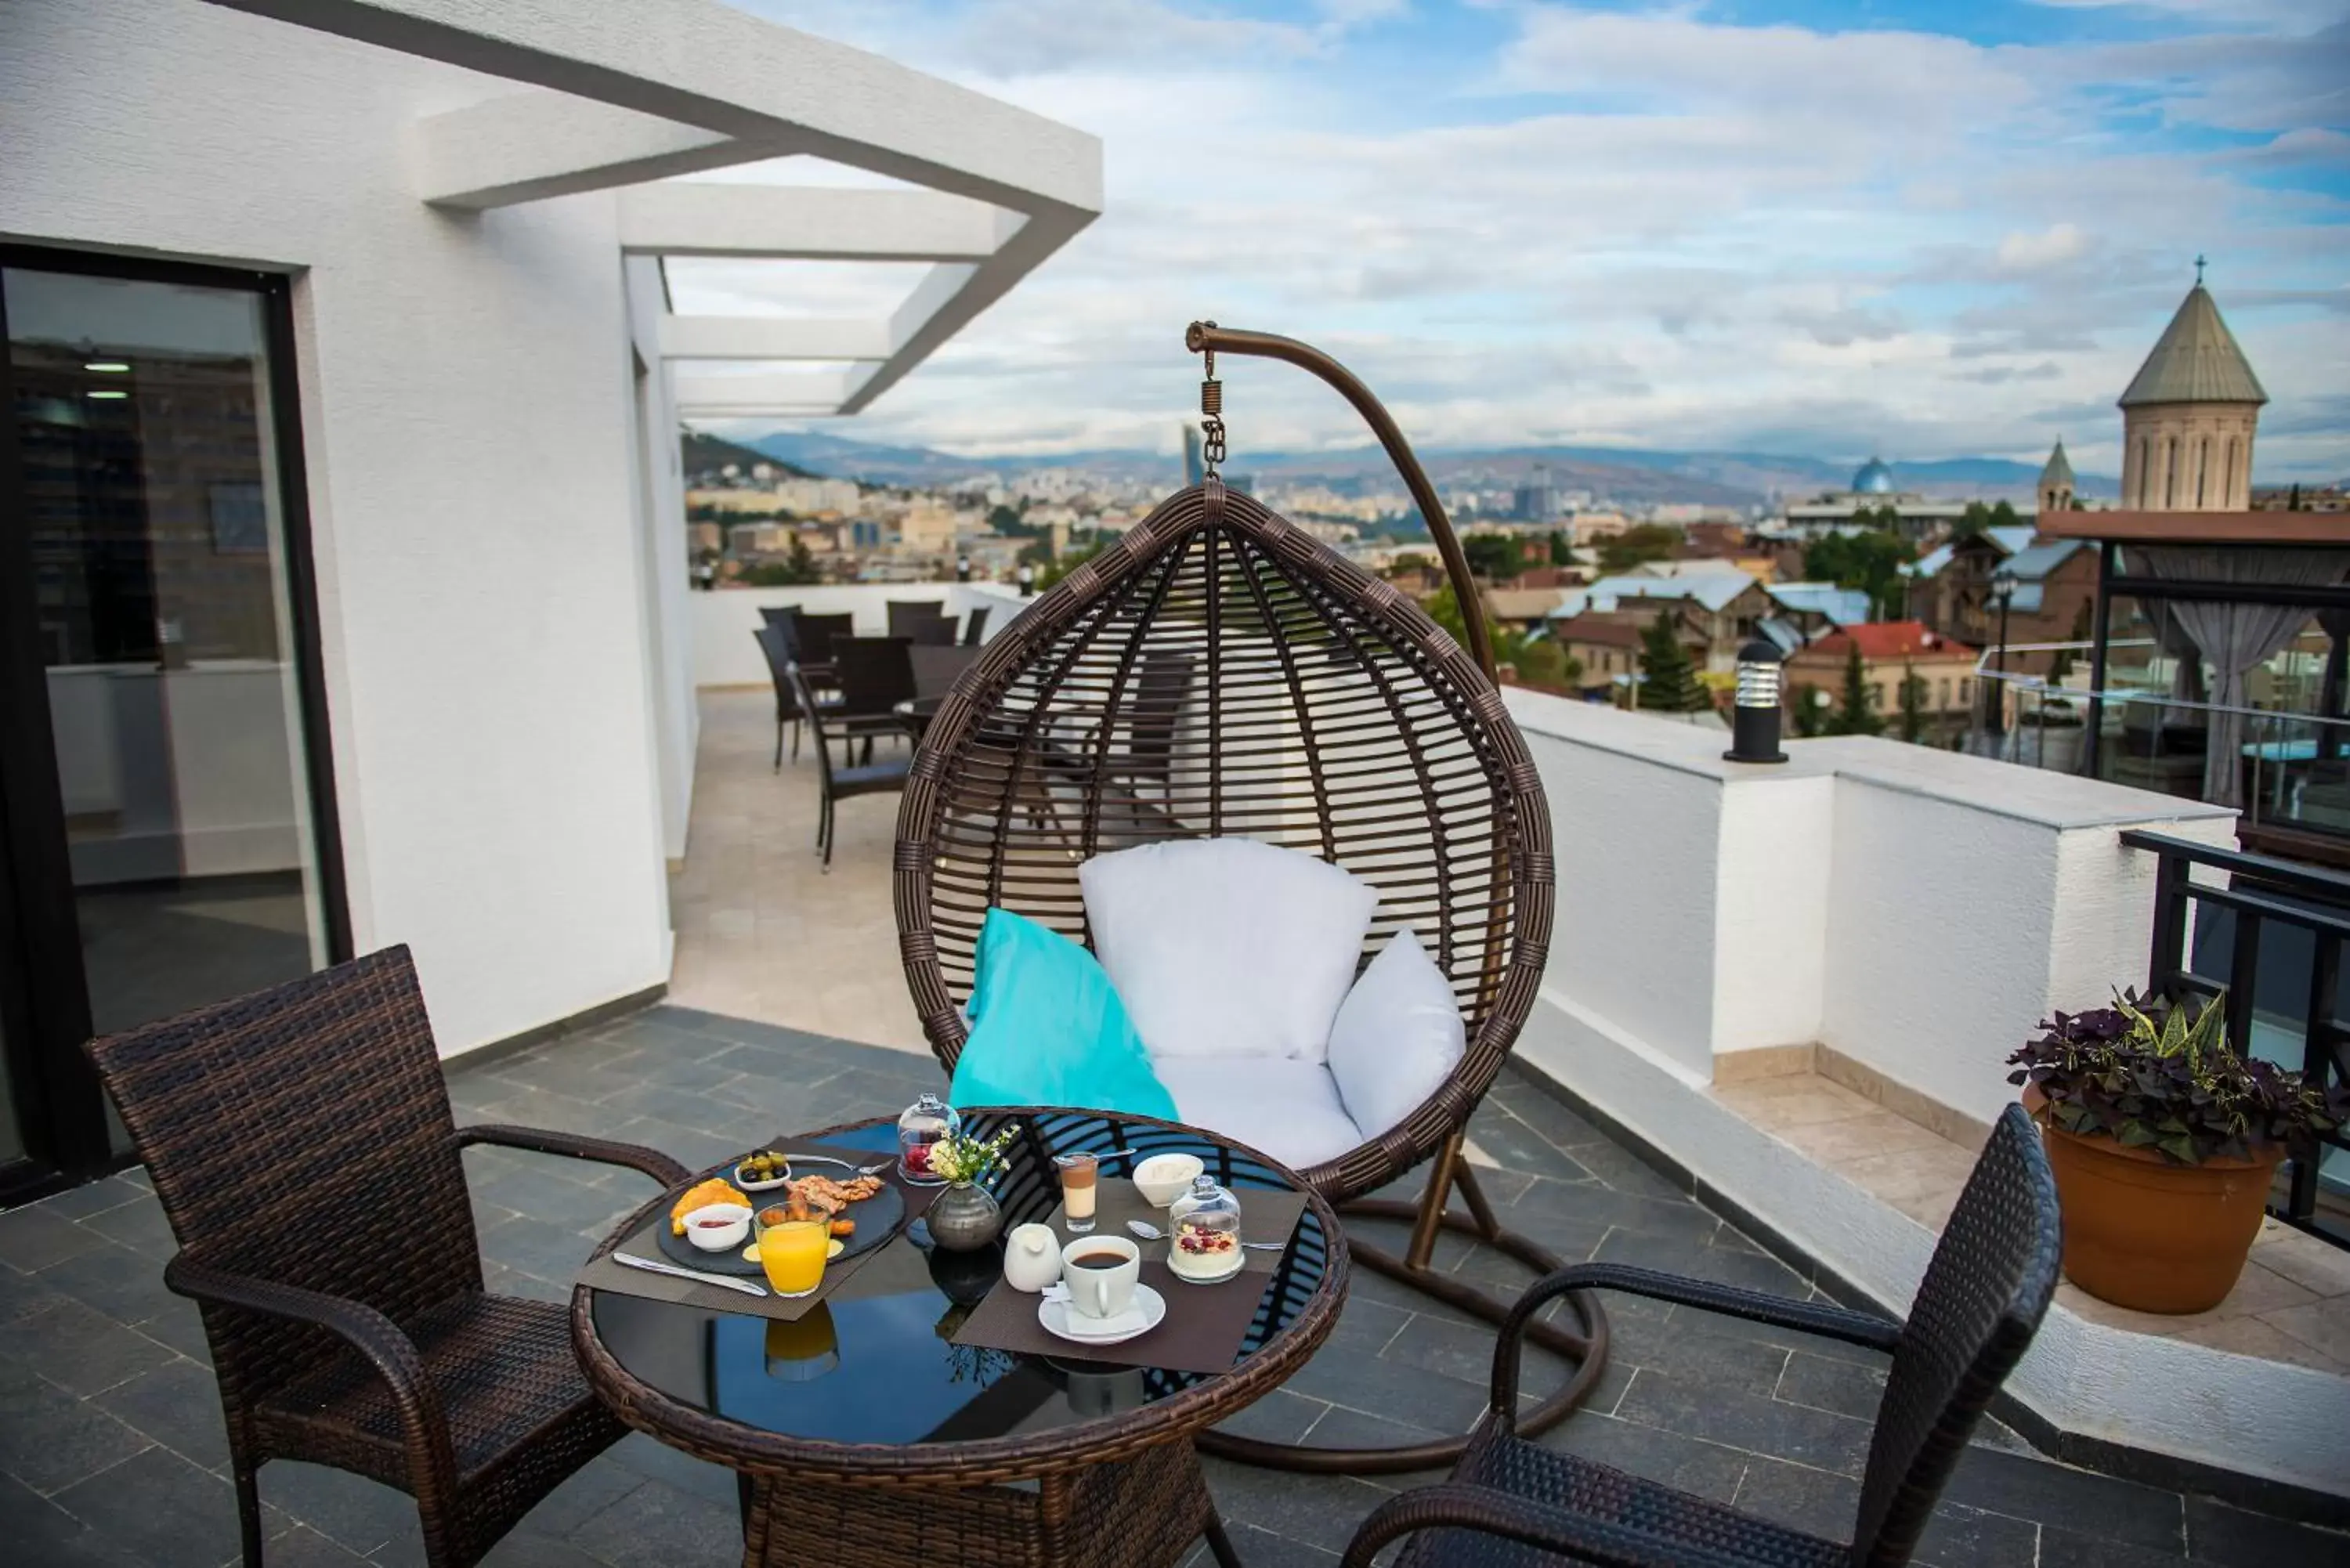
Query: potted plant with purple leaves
{"points": [[2163, 1138]]}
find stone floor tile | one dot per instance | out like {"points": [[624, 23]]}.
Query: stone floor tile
{"points": [[1847, 1388], [118, 1281], [163, 1510], [360, 1515], [1686, 1464], [1693, 1408], [82, 1350], [2061, 1548], [2322, 1326], [1323, 1513], [31, 1239], [2238, 1538], [38, 1532], [303, 1547], [50, 1439], [2098, 1506], [655, 1525], [1801, 1496], [179, 1405]]}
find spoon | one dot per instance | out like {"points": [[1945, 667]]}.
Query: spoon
{"points": [[1149, 1233]]}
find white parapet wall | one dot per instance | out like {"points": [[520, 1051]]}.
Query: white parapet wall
{"points": [[1917, 912], [726, 653]]}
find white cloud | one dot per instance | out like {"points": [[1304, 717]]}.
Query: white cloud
{"points": [[1640, 229]]}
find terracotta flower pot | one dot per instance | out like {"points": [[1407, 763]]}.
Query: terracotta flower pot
{"points": [[2142, 1232]]}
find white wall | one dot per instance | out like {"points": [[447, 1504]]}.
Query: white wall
{"points": [[1917, 910], [726, 653], [467, 428]]}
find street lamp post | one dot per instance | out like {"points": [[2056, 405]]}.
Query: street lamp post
{"points": [[2002, 593]]}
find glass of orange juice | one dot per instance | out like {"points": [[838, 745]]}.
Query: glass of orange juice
{"points": [[793, 1253]]}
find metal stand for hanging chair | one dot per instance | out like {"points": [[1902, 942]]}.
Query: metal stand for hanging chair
{"points": [[1180, 682]]}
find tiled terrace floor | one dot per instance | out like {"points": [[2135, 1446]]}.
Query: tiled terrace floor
{"points": [[111, 1450]]}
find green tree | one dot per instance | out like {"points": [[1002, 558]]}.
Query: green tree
{"points": [[1443, 607], [1913, 705], [1668, 681], [1856, 713], [797, 570], [1811, 713], [1542, 662], [1562, 554], [1009, 525], [1641, 542], [1053, 571], [1492, 556], [1871, 561]]}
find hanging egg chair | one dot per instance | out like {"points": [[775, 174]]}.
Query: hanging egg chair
{"points": [[1219, 672]]}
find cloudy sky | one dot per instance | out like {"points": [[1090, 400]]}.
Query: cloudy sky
{"points": [[1922, 228]]}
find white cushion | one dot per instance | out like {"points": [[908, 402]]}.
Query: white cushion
{"points": [[1396, 1036], [1227, 947], [1285, 1108]]}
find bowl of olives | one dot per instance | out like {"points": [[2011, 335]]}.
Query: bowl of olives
{"points": [[763, 1171]]}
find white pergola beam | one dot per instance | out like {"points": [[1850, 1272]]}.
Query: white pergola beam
{"points": [[721, 397], [735, 87], [528, 146], [809, 223], [775, 337], [703, 64]]}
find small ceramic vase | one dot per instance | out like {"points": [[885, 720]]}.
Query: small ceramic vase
{"points": [[1031, 1258], [964, 1217]]}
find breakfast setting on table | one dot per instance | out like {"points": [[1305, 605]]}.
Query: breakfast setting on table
{"points": [[1144, 1259]]}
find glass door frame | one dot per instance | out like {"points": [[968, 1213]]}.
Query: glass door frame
{"points": [[44, 999]]}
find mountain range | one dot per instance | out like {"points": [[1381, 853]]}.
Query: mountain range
{"points": [[1626, 474]]}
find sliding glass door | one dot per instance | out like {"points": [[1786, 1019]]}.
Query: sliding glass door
{"points": [[167, 812]]}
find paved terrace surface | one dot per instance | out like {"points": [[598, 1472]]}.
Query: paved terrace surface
{"points": [[111, 1449]]}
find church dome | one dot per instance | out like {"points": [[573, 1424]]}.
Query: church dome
{"points": [[1873, 478]]}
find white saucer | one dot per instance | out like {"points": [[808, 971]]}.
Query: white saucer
{"points": [[1150, 1310]]}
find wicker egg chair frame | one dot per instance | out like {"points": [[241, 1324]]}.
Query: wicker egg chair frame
{"points": [[1219, 671]]}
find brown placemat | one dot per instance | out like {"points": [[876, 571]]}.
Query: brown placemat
{"points": [[1267, 1214], [840, 1279], [1202, 1332]]}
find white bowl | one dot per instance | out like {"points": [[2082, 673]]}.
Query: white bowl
{"points": [[1164, 1178], [718, 1237]]}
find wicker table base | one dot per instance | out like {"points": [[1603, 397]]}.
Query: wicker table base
{"points": [[1144, 1512]]}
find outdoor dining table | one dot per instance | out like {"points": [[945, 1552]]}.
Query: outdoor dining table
{"points": [[866, 1437]]}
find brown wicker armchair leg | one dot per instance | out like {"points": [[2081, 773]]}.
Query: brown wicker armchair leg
{"points": [[1431, 1215]]}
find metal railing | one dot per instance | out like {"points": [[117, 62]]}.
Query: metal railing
{"points": [[2296, 764], [2264, 895]]}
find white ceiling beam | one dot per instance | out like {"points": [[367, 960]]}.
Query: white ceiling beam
{"points": [[775, 337], [703, 64], [809, 223], [716, 397], [528, 146]]}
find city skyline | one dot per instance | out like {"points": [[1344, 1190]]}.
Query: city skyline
{"points": [[1923, 230]]}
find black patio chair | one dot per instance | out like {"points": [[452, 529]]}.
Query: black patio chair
{"points": [[782, 616], [775, 643], [842, 783], [930, 631], [874, 674], [1510, 1504], [974, 626], [907, 613], [815, 636], [301, 1142]]}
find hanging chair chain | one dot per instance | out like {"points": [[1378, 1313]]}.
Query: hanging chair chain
{"points": [[1212, 417]]}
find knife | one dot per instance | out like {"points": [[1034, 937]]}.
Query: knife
{"points": [[722, 1280]]}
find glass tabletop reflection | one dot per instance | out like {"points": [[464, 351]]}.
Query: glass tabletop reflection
{"points": [[876, 1363]]}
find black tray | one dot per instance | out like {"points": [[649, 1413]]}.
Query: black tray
{"points": [[878, 1217]]}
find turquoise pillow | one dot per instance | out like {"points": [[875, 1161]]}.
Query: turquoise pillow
{"points": [[1047, 1029]]}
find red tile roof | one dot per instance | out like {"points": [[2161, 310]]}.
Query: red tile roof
{"points": [[1888, 640]]}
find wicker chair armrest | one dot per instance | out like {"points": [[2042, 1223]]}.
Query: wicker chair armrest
{"points": [[423, 1423], [1574, 1537], [1755, 1306], [576, 1146]]}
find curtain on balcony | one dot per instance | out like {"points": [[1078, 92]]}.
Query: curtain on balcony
{"points": [[2236, 636]]}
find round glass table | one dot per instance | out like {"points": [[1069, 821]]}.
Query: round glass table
{"points": [[867, 1437]]}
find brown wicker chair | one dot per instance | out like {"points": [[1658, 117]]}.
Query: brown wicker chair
{"points": [[1218, 672], [1516, 1504], [301, 1142]]}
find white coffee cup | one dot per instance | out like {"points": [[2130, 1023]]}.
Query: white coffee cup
{"points": [[1096, 1292]]}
